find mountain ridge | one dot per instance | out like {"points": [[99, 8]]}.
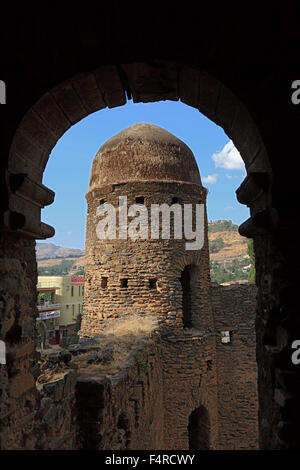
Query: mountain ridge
{"points": [[52, 251]]}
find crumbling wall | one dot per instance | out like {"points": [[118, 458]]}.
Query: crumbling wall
{"points": [[234, 311], [190, 382], [56, 417], [124, 410], [17, 312], [145, 404]]}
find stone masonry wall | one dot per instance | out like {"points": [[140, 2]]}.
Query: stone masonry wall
{"points": [[139, 261], [234, 311], [143, 399], [122, 409], [190, 382], [55, 419], [18, 312]]}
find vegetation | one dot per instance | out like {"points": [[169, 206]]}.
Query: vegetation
{"points": [[142, 364], [58, 269], [43, 297], [42, 361], [78, 322], [216, 245], [79, 272], [235, 270], [250, 251], [222, 226]]}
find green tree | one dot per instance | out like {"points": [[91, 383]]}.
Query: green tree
{"points": [[43, 297], [78, 322], [250, 251], [63, 267], [216, 245]]}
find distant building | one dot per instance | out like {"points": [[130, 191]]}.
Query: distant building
{"points": [[48, 313], [62, 310]]}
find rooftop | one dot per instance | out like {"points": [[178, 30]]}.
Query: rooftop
{"points": [[144, 152]]}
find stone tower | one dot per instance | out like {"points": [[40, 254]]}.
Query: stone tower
{"points": [[146, 276]]}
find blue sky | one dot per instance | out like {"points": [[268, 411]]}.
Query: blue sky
{"points": [[68, 169]]}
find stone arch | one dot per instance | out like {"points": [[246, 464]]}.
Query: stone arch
{"points": [[110, 86], [199, 429], [61, 107]]}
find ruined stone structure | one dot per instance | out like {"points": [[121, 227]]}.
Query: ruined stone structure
{"points": [[151, 370], [220, 64], [147, 165], [160, 283]]}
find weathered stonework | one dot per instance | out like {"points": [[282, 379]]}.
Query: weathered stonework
{"points": [[149, 163], [123, 58], [234, 307], [150, 371], [17, 296]]}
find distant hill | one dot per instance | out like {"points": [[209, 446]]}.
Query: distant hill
{"points": [[222, 226], [229, 259], [50, 251], [227, 245]]}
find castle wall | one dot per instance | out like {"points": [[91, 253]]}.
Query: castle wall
{"points": [[142, 396], [234, 311], [124, 410], [190, 382], [55, 419], [18, 312]]}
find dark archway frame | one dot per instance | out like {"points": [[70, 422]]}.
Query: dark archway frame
{"points": [[57, 110], [109, 86]]}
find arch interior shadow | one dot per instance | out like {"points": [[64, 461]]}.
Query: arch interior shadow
{"points": [[199, 429]]}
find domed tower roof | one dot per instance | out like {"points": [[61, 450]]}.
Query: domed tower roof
{"points": [[143, 152]]}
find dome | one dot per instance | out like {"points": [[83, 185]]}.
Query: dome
{"points": [[143, 152]]}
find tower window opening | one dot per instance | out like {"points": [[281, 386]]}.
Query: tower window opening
{"points": [[175, 200], [104, 282], [102, 201], [124, 283], [186, 297], [140, 200], [152, 283]]}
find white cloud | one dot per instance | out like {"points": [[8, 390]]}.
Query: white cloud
{"points": [[210, 179], [228, 208], [228, 176], [229, 158]]}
